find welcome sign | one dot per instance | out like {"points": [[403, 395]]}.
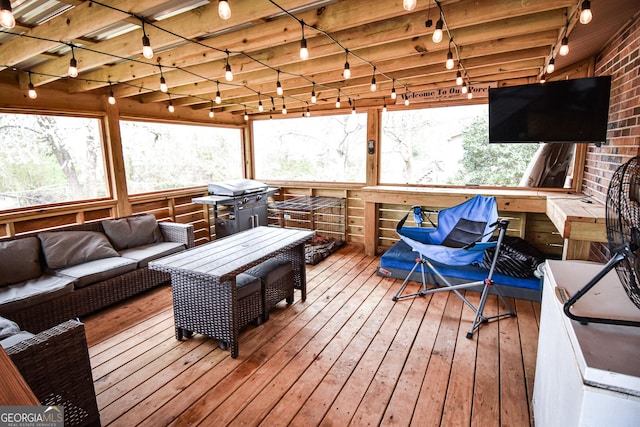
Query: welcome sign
{"points": [[480, 90]]}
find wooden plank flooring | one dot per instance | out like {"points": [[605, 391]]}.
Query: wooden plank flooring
{"points": [[348, 355]]}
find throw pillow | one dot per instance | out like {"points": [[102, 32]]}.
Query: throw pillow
{"points": [[8, 328], [66, 248], [19, 260], [132, 231]]}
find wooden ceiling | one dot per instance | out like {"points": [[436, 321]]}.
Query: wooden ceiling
{"points": [[497, 41]]}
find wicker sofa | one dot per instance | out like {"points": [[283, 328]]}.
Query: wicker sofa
{"points": [[55, 364], [47, 278]]}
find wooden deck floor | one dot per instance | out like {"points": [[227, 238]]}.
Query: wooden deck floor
{"points": [[348, 355]]}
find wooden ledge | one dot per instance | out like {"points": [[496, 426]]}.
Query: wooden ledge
{"points": [[577, 217]]}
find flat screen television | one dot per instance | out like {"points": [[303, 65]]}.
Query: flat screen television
{"points": [[561, 111]]}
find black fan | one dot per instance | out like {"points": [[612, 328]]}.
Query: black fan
{"points": [[623, 235]]}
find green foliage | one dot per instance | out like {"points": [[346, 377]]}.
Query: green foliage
{"points": [[491, 164]]}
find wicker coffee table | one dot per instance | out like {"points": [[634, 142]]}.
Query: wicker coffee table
{"points": [[203, 278]]}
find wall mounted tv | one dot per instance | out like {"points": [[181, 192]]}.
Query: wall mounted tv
{"points": [[561, 111]]}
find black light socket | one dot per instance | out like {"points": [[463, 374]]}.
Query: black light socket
{"points": [[428, 23]]}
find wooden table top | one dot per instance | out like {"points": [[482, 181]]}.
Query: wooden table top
{"points": [[231, 255]]}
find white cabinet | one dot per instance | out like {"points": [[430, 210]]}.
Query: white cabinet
{"points": [[586, 375]]}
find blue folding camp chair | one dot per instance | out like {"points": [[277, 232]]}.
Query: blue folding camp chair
{"points": [[460, 238]]}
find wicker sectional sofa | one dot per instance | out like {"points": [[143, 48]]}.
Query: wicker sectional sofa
{"points": [[47, 278]]}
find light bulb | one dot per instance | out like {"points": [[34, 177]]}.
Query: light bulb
{"points": [[314, 99], [406, 101], [373, 84], [32, 91], [469, 95], [393, 93], [384, 108], [246, 116], [304, 52], [564, 47], [464, 88], [543, 78], [284, 109], [338, 103], [224, 11], [73, 68], [308, 114], [279, 90], [228, 75], [147, 52], [171, 109], [449, 64], [260, 106], [409, 4], [458, 78], [437, 34], [218, 97], [347, 71], [163, 85], [7, 20], [552, 66], [353, 110], [112, 99], [585, 15]]}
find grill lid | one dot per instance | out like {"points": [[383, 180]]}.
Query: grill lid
{"points": [[237, 187]]}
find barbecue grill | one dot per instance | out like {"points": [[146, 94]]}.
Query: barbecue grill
{"points": [[236, 205]]}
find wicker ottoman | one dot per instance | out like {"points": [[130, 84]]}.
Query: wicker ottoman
{"points": [[277, 282], [250, 301]]}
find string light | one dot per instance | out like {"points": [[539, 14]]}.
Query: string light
{"points": [[393, 89], [112, 99], [304, 52], [458, 76], [564, 47], [585, 14], [464, 88], [338, 101], [543, 79], [406, 97], [73, 65], [409, 4], [308, 114], [163, 82], [7, 20], [470, 94], [224, 10], [373, 81], [260, 106], [171, 108], [552, 66], [314, 99], [147, 51], [437, 34], [32, 90], [228, 75], [211, 112], [279, 90], [449, 64], [353, 108], [384, 106], [347, 70], [218, 97], [284, 107], [246, 116]]}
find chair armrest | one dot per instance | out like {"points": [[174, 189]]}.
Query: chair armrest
{"points": [[55, 364], [176, 232]]}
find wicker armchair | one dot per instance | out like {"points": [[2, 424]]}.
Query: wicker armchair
{"points": [[55, 364]]}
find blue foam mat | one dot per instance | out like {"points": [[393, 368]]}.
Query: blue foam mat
{"points": [[401, 257]]}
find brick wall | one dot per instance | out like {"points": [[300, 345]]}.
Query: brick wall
{"points": [[620, 59]]}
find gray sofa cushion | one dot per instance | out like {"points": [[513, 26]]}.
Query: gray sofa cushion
{"points": [[35, 291], [15, 339], [98, 270], [246, 284], [19, 260], [8, 328], [270, 270], [146, 253], [132, 231], [66, 248]]}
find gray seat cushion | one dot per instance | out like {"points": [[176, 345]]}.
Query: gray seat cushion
{"points": [[98, 270], [35, 291], [15, 339], [146, 253], [8, 328], [270, 270], [246, 284], [19, 260]]}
